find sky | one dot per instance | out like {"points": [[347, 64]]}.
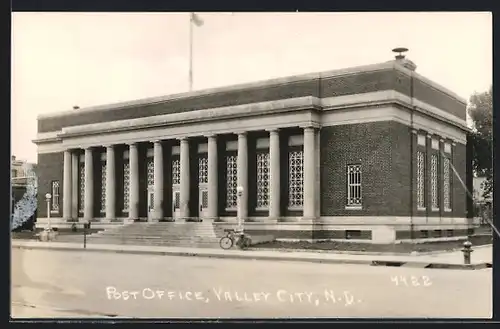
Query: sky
{"points": [[60, 60]]}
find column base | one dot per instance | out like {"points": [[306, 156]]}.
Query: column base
{"points": [[209, 219], [289, 219]]}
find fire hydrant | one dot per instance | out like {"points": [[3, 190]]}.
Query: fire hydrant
{"points": [[467, 250]]}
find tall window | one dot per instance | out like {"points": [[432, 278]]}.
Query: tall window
{"points": [[82, 186], [446, 184], [420, 180], [103, 186], [126, 185], [232, 181], [296, 179], [151, 172], [434, 182], [354, 197], [203, 179], [176, 172], [55, 196], [263, 180], [203, 170]]}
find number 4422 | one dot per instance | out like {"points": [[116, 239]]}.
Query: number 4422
{"points": [[411, 281]]}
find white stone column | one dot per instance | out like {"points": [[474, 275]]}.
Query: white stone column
{"points": [[133, 212], [88, 211], [274, 174], [185, 187], [243, 173], [309, 173], [158, 180], [67, 190], [74, 184], [110, 183], [212, 178]]}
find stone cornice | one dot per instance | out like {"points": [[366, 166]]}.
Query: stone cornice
{"points": [[313, 104]]}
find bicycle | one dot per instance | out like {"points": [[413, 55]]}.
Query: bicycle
{"points": [[241, 239]]}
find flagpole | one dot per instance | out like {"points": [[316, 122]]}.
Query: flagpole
{"points": [[190, 51]]}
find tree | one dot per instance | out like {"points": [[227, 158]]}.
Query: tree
{"points": [[481, 112]]}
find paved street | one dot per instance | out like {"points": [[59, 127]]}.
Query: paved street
{"points": [[56, 283]]}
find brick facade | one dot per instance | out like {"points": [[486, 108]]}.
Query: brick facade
{"points": [[384, 151], [50, 168]]}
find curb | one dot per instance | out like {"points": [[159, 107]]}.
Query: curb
{"points": [[371, 253], [268, 258]]}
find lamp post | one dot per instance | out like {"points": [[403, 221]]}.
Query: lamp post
{"points": [[47, 198], [240, 190]]}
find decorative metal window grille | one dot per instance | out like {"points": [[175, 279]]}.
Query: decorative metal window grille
{"points": [[103, 186], [262, 180], [420, 179], [434, 181], [126, 186], [151, 172], [446, 184], [82, 186], [203, 170], [204, 199], [176, 172], [296, 179], [151, 201], [354, 197], [55, 196], [232, 181], [177, 200]]}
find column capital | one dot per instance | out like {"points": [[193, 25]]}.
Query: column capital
{"points": [[183, 138], [108, 146], [273, 130], [414, 131], [453, 143], [210, 135], [308, 128], [429, 136], [89, 148], [156, 141], [132, 144], [310, 125], [241, 133]]}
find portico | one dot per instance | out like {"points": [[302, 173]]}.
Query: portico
{"points": [[195, 177]]}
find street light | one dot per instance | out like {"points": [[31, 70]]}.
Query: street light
{"points": [[240, 190], [47, 198]]}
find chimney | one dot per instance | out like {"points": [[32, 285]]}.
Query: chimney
{"points": [[401, 58], [76, 107]]}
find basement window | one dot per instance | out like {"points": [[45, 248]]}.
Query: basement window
{"points": [[352, 234]]}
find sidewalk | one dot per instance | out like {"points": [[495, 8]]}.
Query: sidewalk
{"points": [[481, 257]]}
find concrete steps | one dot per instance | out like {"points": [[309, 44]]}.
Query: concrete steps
{"points": [[188, 234]]}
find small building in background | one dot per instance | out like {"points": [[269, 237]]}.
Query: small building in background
{"points": [[19, 181]]}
